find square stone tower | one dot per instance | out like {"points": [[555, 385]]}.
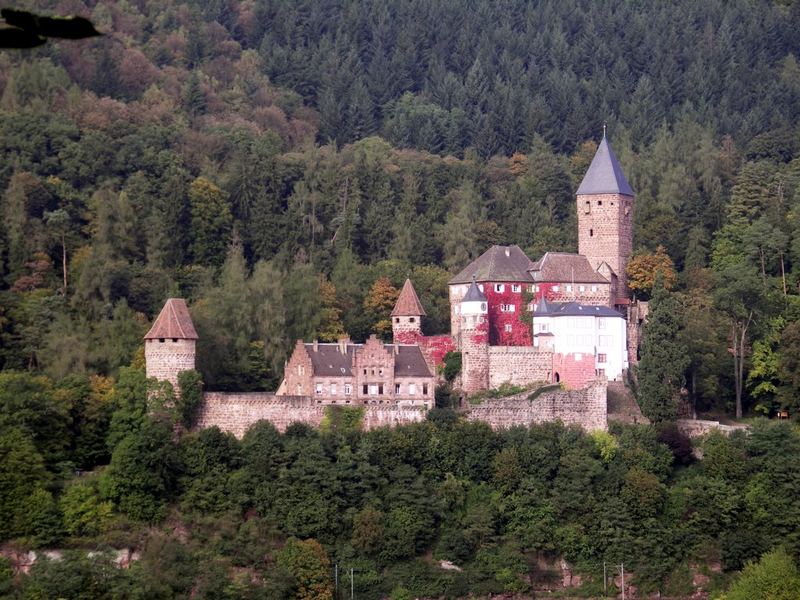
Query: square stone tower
{"points": [[605, 217]]}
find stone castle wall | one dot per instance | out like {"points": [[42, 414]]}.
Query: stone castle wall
{"points": [[237, 412], [518, 365], [165, 359], [586, 407], [474, 356]]}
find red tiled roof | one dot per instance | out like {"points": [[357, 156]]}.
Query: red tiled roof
{"points": [[173, 322], [561, 267], [408, 303]]}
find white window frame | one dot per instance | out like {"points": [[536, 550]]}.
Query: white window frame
{"points": [[581, 288], [555, 288], [348, 389], [318, 389], [373, 389], [507, 327], [499, 288], [333, 389], [515, 287], [412, 389]]}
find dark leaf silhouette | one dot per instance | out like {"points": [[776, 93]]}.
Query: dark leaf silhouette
{"points": [[29, 30]]}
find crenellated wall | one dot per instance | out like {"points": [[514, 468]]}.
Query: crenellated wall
{"points": [[586, 407], [237, 412]]}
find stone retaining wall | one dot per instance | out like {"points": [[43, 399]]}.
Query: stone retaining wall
{"points": [[586, 407], [237, 412]]}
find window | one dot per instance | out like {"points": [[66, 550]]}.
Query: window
{"points": [[373, 389], [348, 389], [397, 319], [601, 358], [569, 288], [555, 288], [411, 320], [601, 372], [480, 286], [380, 389], [604, 340], [483, 306], [412, 389], [515, 287], [301, 370], [424, 389], [581, 288], [380, 371], [160, 340], [396, 388], [499, 288], [544, 327], [507, 327], [591, 232], [507, 308], [578, 357], [364, 389], [365, 371], [601, 323], [594, 288], [599, 203], [318, 388], [333, 389]]}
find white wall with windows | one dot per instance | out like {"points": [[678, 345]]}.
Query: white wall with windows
{"points": [[603, 337]]}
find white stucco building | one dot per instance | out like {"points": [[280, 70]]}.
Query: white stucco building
{"points": [[589, 332]]}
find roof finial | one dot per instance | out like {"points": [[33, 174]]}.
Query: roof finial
{"points": [[604, 129]]}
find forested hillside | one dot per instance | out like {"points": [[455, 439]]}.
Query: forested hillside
{"points": [[285, 165]]}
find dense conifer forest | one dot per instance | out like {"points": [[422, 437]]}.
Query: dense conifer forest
{"points": [[284, 166]]}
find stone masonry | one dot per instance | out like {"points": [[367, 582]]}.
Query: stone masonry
{"points": [[519, 365], [237, 412], [165, 358], [585, 407], [605, 233]]}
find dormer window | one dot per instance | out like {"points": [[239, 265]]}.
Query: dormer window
{"points": [[160, 340]]}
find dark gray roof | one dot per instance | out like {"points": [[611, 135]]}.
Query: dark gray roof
{"points": [[605, 174], [409, 362], [561, 267], [572, 309], [329, 361], [474, 293], [498, 263]]}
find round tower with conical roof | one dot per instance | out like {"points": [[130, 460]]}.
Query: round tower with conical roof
{"points": [[474, 340], [169, 346], [605, 217], [407, 316]]}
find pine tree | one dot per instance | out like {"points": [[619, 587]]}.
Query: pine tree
{"points": [[664, 359]]}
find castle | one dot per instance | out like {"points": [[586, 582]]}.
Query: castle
{"points": [[564, 319]]}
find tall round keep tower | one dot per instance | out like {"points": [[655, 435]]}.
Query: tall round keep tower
{"points": [[169, 346], [605, 217], [474, 342]]}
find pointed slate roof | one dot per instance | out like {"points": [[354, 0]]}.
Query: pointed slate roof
{"points": [[605, 174], [474, 293], [408, 303], [173, 322], [498, 263]]}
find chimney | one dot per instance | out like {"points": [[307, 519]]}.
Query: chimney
{"points": [[508, 251], [397, 348], [316, 345], [344, 341]]}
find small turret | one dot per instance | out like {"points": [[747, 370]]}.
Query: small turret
{"points": [[169, 346], [474, 343], [407, 315]]}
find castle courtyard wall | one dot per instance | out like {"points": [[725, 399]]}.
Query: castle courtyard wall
{"points": [[518, 365], [586, 407]]}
